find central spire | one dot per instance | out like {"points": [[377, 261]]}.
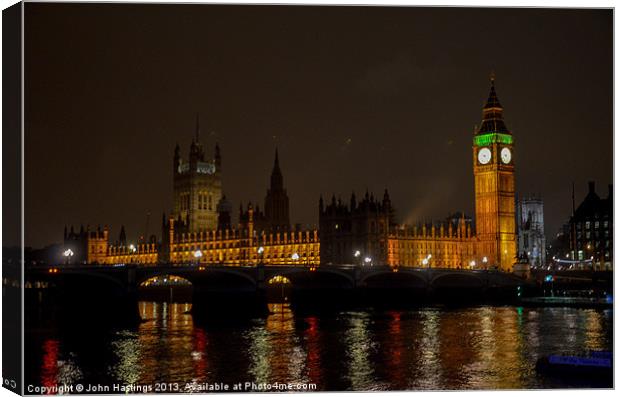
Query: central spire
{"points": [[277, 182], [493, 113], [492, 102], [276, 163]]}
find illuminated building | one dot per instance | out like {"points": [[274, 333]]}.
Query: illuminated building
{"points": [[197, 186], [350, 234], [202, 233], [494, 179], [86, 246], [240, 246], [200, 228], [532, 230], [365, 233], [591, 227], [434, 246]]}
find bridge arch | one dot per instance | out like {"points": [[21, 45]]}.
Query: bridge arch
{"points": [[204, 276], [391, 279], [320, 278], [464, 279]]}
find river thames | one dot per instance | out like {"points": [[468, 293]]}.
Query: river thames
{"points": [[431, 348]]}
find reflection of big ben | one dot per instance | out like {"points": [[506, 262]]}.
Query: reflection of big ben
{"points": [[494, 176]]}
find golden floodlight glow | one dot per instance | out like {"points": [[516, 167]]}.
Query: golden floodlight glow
{"points": [[279, 280]]}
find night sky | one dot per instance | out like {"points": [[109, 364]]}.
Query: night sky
{"points": [[353, 97]]}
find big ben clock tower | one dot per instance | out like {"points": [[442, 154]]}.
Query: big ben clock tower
{"points": [[494, 175]]}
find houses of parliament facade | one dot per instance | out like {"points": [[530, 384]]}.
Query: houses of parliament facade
{"points": [[200, 228]]}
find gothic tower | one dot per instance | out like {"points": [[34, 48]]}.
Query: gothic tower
{"points": [[197, 186], [276, 201], [494, 175]]}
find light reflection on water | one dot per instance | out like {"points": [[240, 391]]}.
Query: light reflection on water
{"points": [[431, 348]]}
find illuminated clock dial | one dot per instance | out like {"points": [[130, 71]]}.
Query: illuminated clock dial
{"points": [[484, 155], [506, 155]]}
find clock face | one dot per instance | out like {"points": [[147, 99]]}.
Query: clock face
{"points": [[506, 155], [484, 155]]}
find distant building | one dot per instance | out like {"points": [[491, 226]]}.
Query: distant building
{"points": [[360, 228], [352, 233], [197, 186], [591, 229], [531, 228], [85, 246], [276, 201], [200, 229]]}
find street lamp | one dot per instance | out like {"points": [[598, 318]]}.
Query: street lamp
{"points": [[132, 248], [357, 253], [68, 253], [198, 255], [427, 261], [260, 251], [368, 260], [295, 256], [472, 264]]}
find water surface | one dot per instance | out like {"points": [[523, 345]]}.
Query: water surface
{"points": [[424, 349]]}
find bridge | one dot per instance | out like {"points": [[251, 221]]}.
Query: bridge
{"points": [[236, 288]]}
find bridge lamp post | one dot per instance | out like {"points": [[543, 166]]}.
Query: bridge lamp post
{"points": [[357, 255], [260, 252], [368, 261], [472, 264], [198, 255], [427, 261], [132, 248], [68, 253], [295, 257], [485, 260]]}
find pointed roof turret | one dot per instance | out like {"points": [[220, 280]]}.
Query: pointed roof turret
{"points": [[492, 101], [122, 237], [353, 201], [277, 181], [493, 114]]}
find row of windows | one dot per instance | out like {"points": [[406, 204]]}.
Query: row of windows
{"points": [[225, 256], [588, 225], [596, 234], [448, 248], [590, 244], [237, 244]]}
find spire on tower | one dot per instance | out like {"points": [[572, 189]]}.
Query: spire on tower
{"points": [[277, 181], [492, 113], [276, 163], [492, 101]]}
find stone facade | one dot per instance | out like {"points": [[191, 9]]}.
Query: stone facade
{"points": [[532, 230], [197, 186]]}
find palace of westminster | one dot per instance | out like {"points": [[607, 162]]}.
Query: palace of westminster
{"points": [[199, 229]]}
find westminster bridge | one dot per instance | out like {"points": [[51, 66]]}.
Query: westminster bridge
{"points": [[233, 289]]}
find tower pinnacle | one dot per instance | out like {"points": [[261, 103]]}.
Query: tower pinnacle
{"points": [[493, 113]]}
